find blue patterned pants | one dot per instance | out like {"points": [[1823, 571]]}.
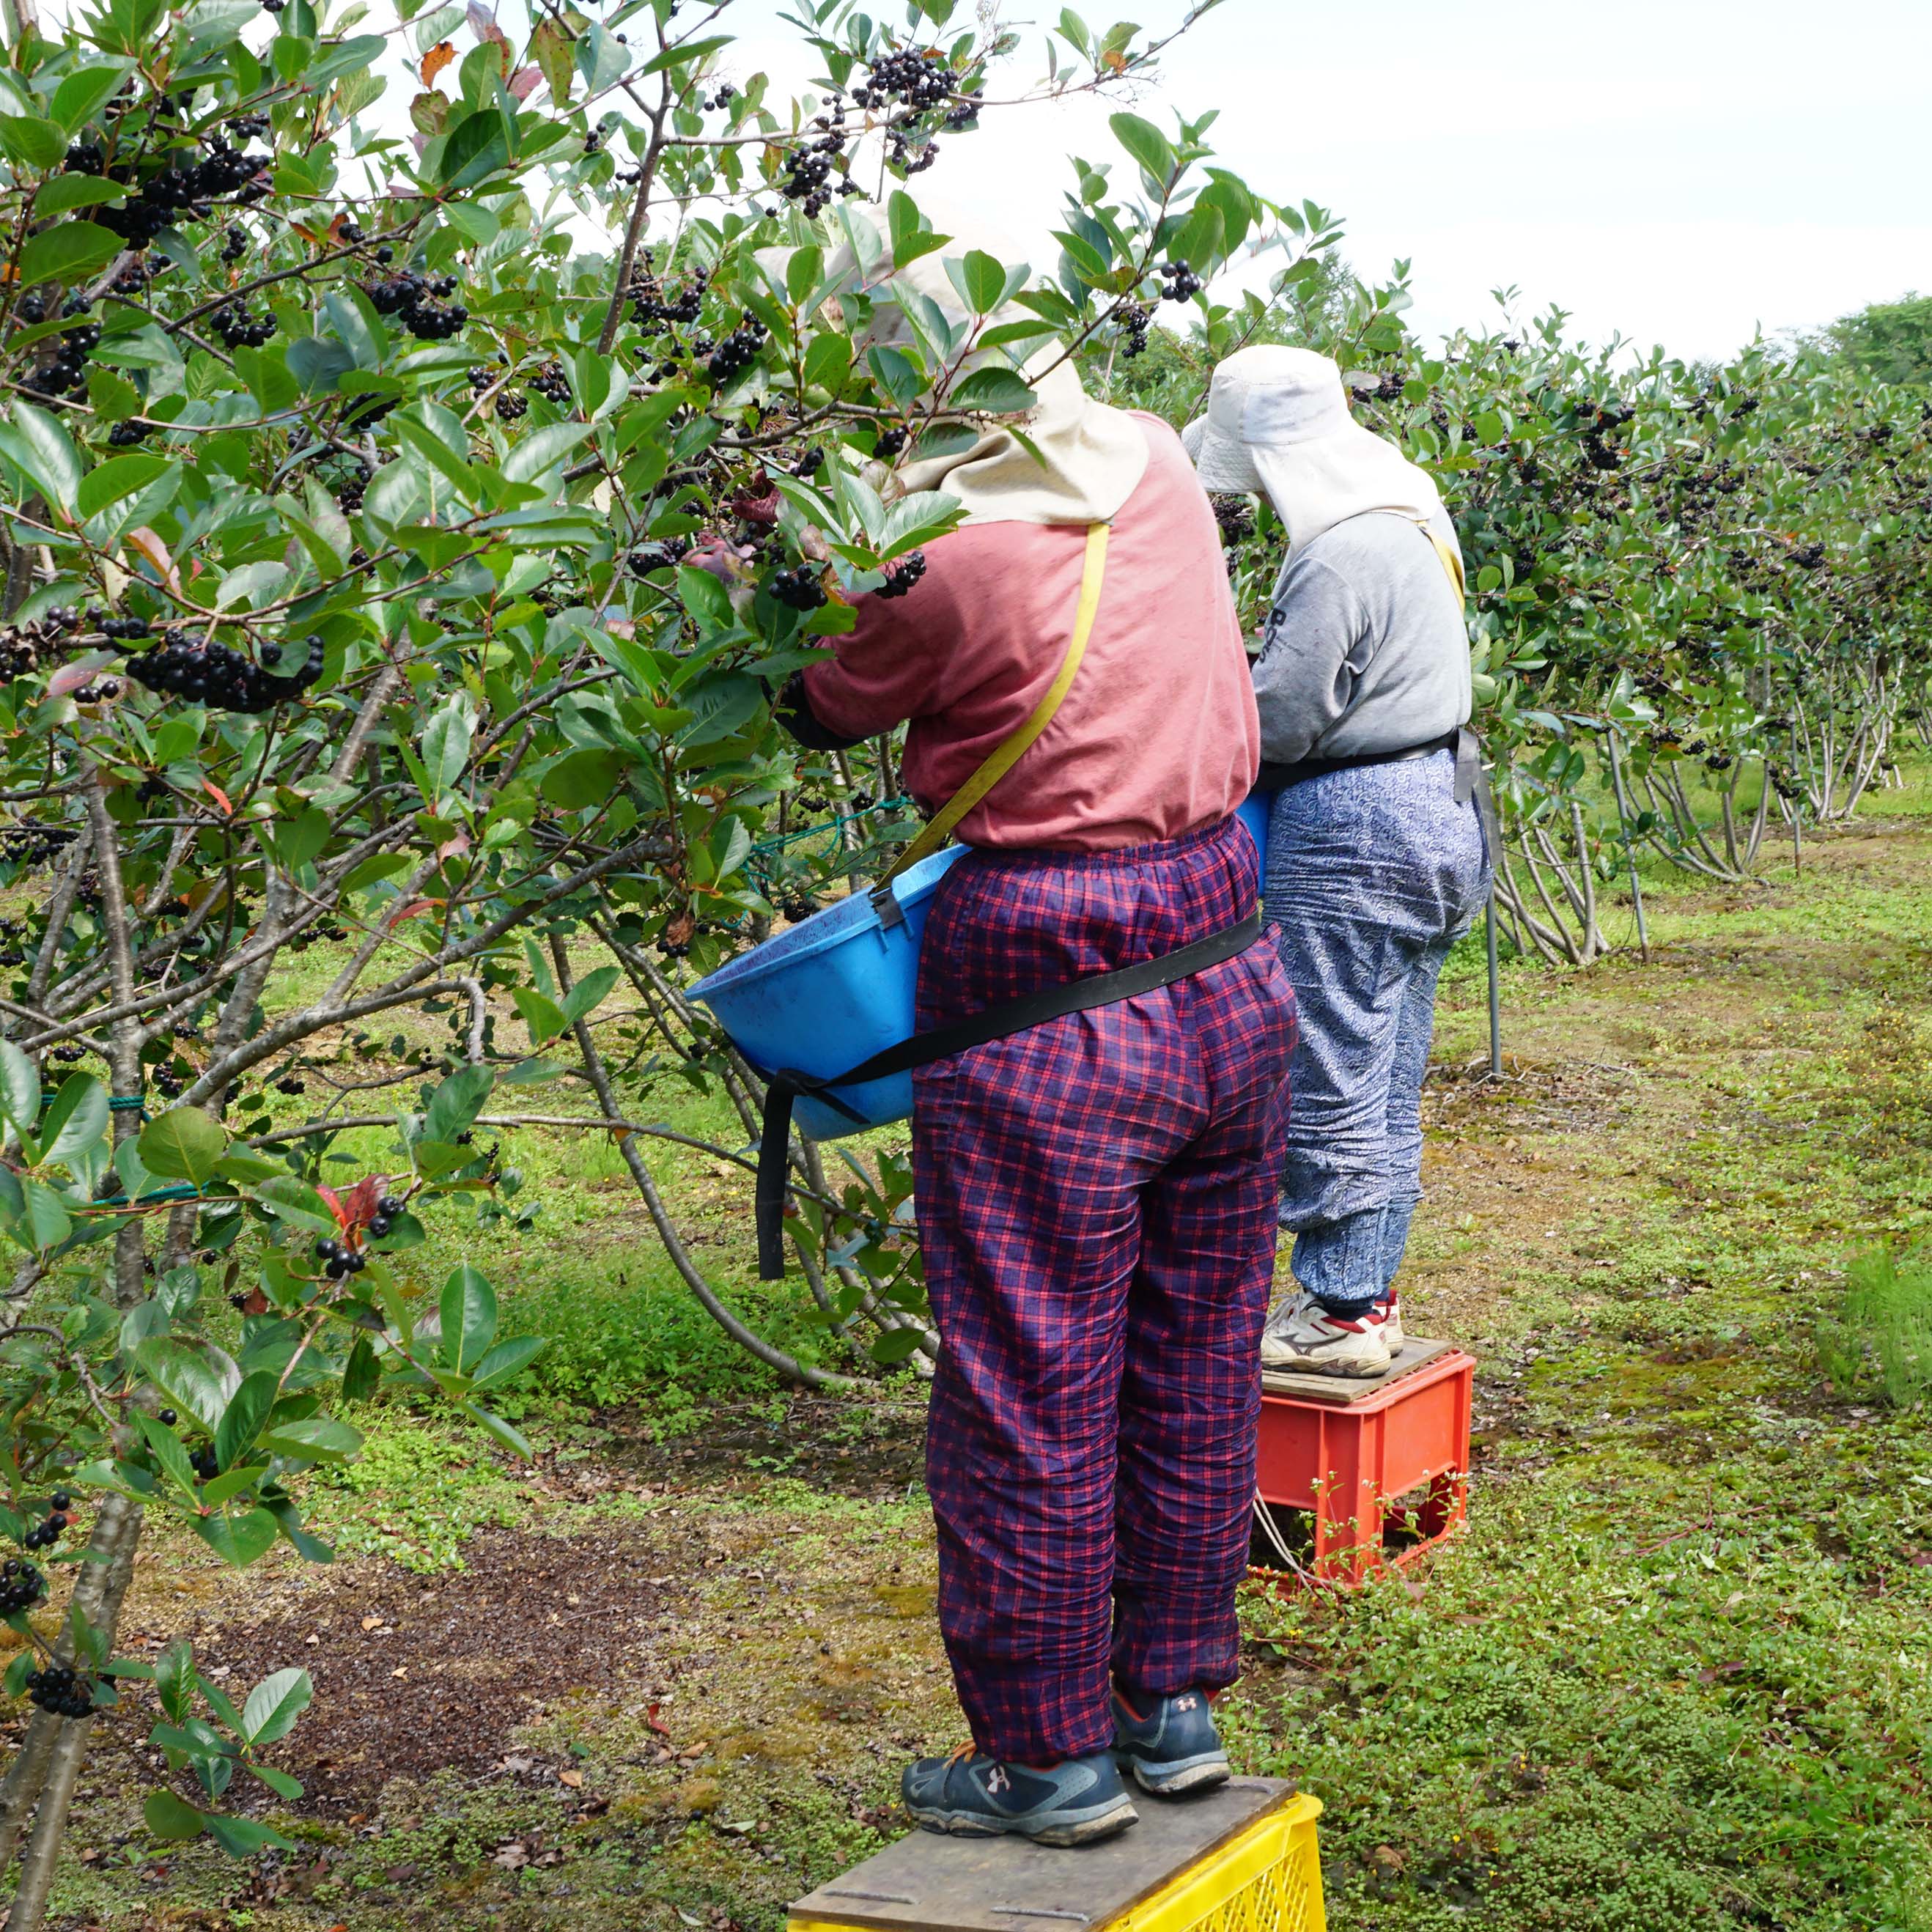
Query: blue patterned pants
{"points": [[1374, 873]]}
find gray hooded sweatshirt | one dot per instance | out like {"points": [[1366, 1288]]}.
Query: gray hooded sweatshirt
{"points": [[1366, 648]]}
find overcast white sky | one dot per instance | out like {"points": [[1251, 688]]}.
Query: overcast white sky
{"points": [[1681, 171]]}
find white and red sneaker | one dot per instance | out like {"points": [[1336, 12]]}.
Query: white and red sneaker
{"points": [[1302, 1334], [1391, 1306]]}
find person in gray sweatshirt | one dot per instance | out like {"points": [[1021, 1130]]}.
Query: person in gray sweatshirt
{"points": [[1377, 857]]}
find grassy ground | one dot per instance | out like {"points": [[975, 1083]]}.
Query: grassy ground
{"points": [[1678, 1672]]}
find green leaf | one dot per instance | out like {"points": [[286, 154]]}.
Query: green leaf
{"points": [[242, 1837], [315, 1438], [76, 1121], [981, 279], [601, 58], [475, 223], [512, 1439], [895, 1344], [241, 1420], [589, 993], [468, 1307], [69, 252], [279, 1782], [86, 89], [298, 841], [66, 191], [542, 1016], [274, 1705], [542, 449], [348, 56], [996, 391], [474, 149], [585, 778], [219, 1489], [188, 1381], [41, 447], [32, 143], [457, 1102], [290, 1198], [120, 476], [184, 1144], [507, 1359], [434, 1159], [361, 1372], [237, 1539], [169, 1817], [44, 1221], [1147, 144], [828, 362], [168, 1452], [112, 398], [19, 1089], [446, 742]]}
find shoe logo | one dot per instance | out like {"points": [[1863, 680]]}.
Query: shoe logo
{"points": [[997, 1781], [1190, 1703]]}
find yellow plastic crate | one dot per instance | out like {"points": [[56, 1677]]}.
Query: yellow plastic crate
{"points": [[1244, 1859], [1268, 1879]]}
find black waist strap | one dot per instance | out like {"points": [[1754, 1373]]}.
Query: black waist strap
{"points": [[1011, 1016], [1278, 777]]}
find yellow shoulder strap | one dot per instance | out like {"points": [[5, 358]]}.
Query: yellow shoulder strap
{"points": [[1452, 562], [1003, 758]]}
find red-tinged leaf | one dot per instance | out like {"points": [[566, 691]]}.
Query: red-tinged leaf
{"points": [[415, 909], [333, 1201], [72, 677], [454, 848], [654, 1723], [438, 58], [220, 796], [157, 553], [254, 1302], [525, 81], [759, 502], [359, 1204]]}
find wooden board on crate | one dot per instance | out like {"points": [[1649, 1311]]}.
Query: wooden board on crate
{"points": [[927, 1883], [1304, 1386]]}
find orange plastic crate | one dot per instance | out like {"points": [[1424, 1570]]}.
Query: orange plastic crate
{"points": [[1396, 1458]]}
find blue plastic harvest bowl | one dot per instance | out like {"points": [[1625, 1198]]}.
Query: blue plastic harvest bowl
{"points": [[1255, 812], [830, 992]]}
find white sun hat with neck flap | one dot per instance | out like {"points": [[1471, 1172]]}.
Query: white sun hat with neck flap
{"points": [[1278, 425]]}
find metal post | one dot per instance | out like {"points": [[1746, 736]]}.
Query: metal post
{"points": [[1630, 847], [1496, 990]]}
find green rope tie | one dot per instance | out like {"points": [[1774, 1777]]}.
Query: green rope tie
{"points": [[185, 1191], [828, 825], [116, 1101]]}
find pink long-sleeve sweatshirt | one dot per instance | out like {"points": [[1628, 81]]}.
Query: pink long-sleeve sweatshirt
{"points": [[1157, 735]]}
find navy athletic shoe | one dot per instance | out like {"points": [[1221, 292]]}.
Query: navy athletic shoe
{"points": [[1173, 1750], [970, 1795]]}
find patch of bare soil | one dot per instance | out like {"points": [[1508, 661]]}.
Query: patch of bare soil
{"points": [[875, 1451], [418, 1674]]}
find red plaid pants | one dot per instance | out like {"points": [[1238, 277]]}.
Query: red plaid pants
{"points": [[1096, 1206]]}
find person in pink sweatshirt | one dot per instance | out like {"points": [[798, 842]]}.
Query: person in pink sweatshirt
{"points": [[1096, 1195]]}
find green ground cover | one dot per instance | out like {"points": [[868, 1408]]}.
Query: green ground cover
{"points": [[1677, 1673]]}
